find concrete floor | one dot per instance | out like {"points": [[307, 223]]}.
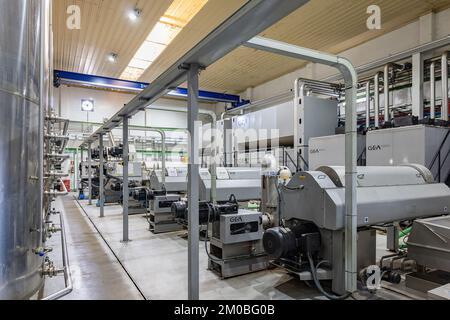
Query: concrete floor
{"points": [[154, 265], [96, 273], [158, 264]]}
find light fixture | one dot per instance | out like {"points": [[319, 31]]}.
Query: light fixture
{"points": [[112, 57], [134, 14], [177, 16]]}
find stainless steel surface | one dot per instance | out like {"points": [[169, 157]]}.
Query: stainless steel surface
{"points": [[330, 150], [319, 197], [240, 27], [244, 189], [21, 148], [405, 145], [351, 85], [66, 266], [193, 184], [429, 244]]}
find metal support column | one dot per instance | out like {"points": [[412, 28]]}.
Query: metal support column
{"points": [[193, 184], [433, 90], [417, 85], [444, 68], [89, 173], [126, 193], [367, 104], [376, 99], [101, 177], [351, 85], [387, 111]]}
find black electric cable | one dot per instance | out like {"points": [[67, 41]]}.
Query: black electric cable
{"points": [[319, 286]]}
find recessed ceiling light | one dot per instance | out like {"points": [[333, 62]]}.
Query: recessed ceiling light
{"points": [[176, 17], [134, 14], [112, 57]]}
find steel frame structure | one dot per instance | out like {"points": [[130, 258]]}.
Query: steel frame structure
{"points": [[250, 20]]}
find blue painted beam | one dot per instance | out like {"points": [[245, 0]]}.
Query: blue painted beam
{"points": [[65, 77]]}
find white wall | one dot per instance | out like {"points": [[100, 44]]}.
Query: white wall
{"points": [[401, 39], [109, 103]]}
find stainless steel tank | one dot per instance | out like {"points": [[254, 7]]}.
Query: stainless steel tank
{"points": [[20, 149]]}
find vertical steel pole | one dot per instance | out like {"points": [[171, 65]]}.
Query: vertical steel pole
{"points": [[89, 172], [417, 85], [163, 160], [444, 68], [432, 90], [387, 111], [101, 178], [193, 185], [376, 99], [126, 194], [367, 104]]}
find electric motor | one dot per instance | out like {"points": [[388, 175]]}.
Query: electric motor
{"points": [[207, 211], [283, 242]]}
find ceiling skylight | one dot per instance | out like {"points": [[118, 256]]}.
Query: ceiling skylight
{"points": [[177, 16]]}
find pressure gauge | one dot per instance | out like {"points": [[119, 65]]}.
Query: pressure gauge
{"points": [[87, 105]]}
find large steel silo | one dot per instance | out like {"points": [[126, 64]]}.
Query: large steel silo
{"points": [[21, 111]]}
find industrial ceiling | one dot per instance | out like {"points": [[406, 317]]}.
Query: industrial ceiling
{"points": [[332, 26]]}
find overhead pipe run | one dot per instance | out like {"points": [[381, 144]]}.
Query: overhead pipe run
{"points": [[213, 166], [433, 45], [351, 85], [258, 105]]}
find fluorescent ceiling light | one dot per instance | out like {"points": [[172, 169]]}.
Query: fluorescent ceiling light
{"points": [[177, 16]]}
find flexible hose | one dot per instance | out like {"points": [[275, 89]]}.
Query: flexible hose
{"points": [[319, 286]]}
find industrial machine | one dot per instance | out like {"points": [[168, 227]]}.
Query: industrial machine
{"points": [[421, 144], [158, 204], [236, 236], [243, 183], [329, 151], [309, 240], [175, 179]]}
